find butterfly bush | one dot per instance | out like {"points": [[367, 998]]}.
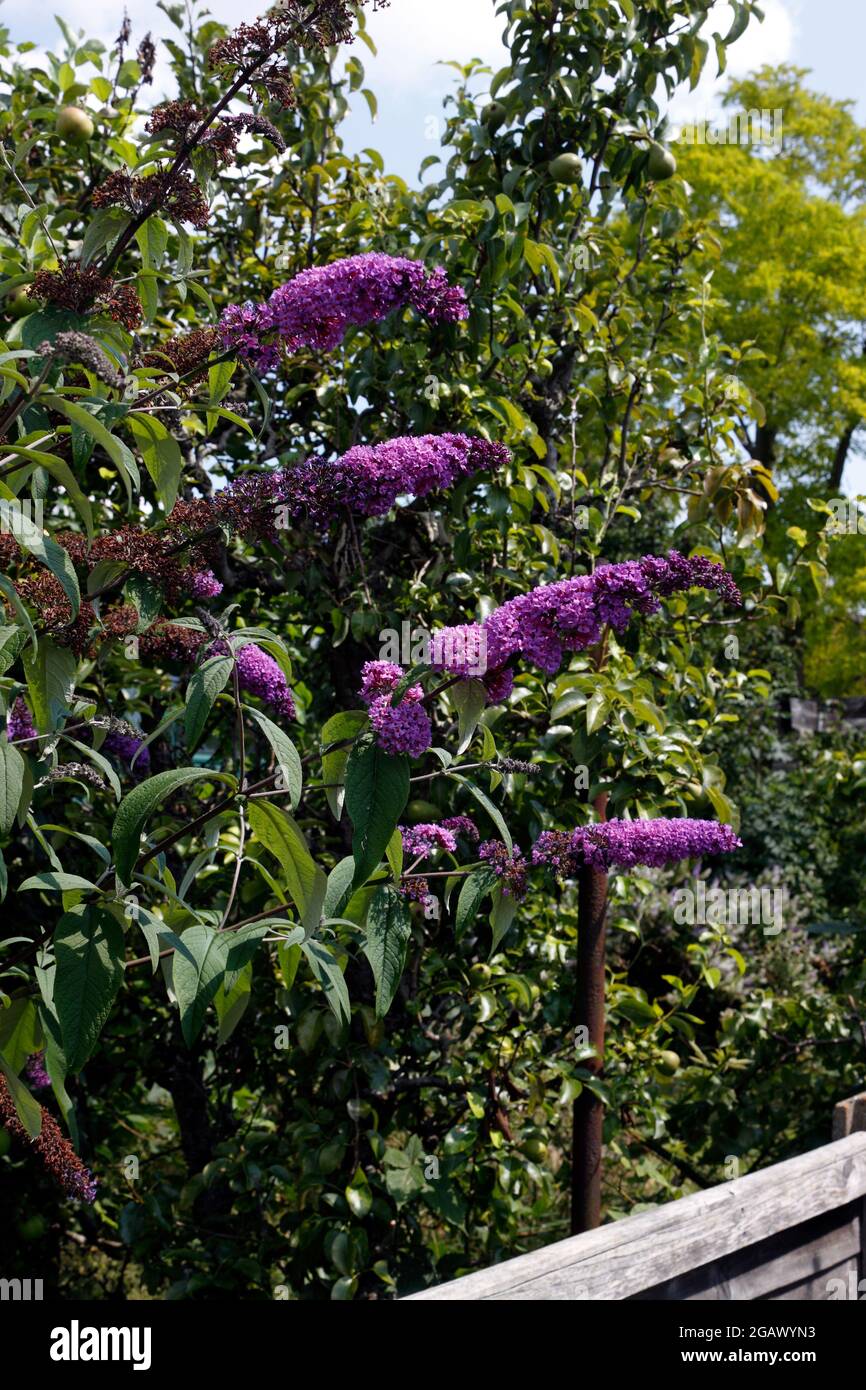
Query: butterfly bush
{"points": [[260, 675], [19, 723], [621, 844], [508, 865], [204, 584], [402, 728], [317, 307], [571, 614], [124, 742], [425, 838], [57, 1154], [367, 480]]}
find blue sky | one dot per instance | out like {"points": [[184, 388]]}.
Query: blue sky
{"points": [[414, 36]]}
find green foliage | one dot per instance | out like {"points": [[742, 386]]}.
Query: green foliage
{"points": [[328, 1088]]}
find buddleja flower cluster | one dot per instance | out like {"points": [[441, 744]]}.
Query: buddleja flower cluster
{"points": [[317, 307], [57, 1154], [622, 843], [400, 728], [253, 48], [425, 838], [571, 614], [367, 480]]}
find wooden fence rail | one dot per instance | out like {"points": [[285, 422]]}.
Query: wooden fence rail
{"points": [[796, 1230]]}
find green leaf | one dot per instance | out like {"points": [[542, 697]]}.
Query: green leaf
{"points": [[161, 453], [120, 455], [484, 800], [389, 927], [394, 854], [135, 808], [504, 908], [29, 1110], [46, 550], [50, 681], [470, 699], [52, 882], [196, 976], [207, 682], [597, 708], [152, 238], [61, 472], [285, 752], [346, 725], [326, 968], [12, 767], [359, 1195], [88, 949], [20, 1032], [377, 789], [472, 893], [306, 882], [340, 887], [231, 1003]]}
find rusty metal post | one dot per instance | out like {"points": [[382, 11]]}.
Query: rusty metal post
{"points": [[588, 1112]]}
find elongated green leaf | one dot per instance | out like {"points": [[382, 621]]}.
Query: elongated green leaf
{"points": [[484, 800], [60, 470], [306, 882], [208, 680], [196, 976], [345, 725], [11, 784], [88, 949], [472, 893], [12, 639], [29, 1110], [48, 552], [20, 1032], [340, 887], [135, 808], [50, 676], [285, 752], [231, 1002], [377, 789], [389, 926], [161, 453], [52, 882], [120, 454], [469, 699], [326, 968], [502, 915]]}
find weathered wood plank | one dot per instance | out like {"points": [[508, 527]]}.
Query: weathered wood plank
{"points": [[790, 1257], [849, 1116], [623, 1258]]}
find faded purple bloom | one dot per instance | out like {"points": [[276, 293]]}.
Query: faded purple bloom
{"points": [[499, 685], [508, 865], [260, 675], [367, 480], [403, 728], [205, 585], [624, 843], [35, 1072], [20, 722], [425, 838], [318, 306]]}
